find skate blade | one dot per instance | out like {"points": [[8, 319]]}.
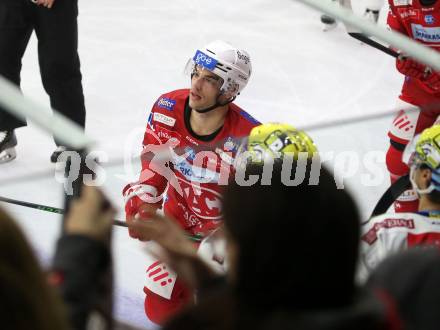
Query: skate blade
{"points": [[7, 155]]}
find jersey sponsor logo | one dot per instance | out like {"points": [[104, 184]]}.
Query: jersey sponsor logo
{"points": [[426, 34], [190, 139], [161, 118], [429, 19], [190, 219], [160, 279], [195, 173], [166, 103], [204, 60], [168, 135], [406, 13], [191, 153], [371, 236], [230, 144], [203, 202], [402, 2], [159, 273]]}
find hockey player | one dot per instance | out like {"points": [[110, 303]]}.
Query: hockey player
{"points": [[266, 142], [372, 11], [287, 269], [420, 96], [389, 233], [190, 119]]}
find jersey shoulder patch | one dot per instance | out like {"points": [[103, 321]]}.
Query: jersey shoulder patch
{"points": [[249, 118], [169, 100], [398, 3], [386, 222]]}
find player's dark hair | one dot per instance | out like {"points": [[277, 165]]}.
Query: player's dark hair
{"points": [[298, 245], [27, 301], [434, 197]]}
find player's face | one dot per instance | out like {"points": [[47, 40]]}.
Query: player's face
{"points": [[205, 88]]}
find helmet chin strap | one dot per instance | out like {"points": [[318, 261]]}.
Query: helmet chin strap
{"points": [[215, 105]]}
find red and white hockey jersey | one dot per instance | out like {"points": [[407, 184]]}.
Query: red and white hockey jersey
{"points": [[194, 179], [421, 23], [390, 233]]}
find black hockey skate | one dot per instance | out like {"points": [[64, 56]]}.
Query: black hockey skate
{"points": [[8, 141], [328, 21]]}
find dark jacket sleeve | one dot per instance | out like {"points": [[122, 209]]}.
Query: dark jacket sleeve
{"points": [[81, 269]]}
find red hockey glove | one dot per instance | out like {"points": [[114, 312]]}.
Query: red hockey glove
{"points": [[136, 207], [410, 68], [432, 82]]}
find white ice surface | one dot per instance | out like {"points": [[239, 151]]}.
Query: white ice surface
{"points": [[132, 51]]}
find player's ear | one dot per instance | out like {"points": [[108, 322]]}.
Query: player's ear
{"points": [[425, 175]]}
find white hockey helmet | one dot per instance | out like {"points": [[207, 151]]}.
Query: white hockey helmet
{"points": [[231, 64]]}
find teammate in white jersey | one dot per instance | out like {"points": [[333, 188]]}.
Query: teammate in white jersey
{"points": [[390, 233]]}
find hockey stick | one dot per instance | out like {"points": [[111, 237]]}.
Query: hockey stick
{"points": [[46, 208], [364, 38], [370, 42], [408, 46], [391, 194], [51, 209]]}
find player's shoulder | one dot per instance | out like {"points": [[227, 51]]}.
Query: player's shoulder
{"points": [[400, 3], [389, 222], [171, 100], [241, 117], [168, 109]]}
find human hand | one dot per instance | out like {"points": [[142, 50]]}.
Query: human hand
{"points": [[87, 216], [137, 208], [45, 3], [409, 67], [432, 81]]}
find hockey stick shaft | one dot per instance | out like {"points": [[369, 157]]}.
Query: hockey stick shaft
{"points": [[374, 44], [57, 210], [391, 194], [46, 208], [408, 46]]}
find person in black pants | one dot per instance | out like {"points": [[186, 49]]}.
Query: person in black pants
{"points": [[55, 25]]}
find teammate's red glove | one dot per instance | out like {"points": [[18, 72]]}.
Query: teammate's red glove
{"points": [[410, 68], [432, 82], [136, 207]]}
